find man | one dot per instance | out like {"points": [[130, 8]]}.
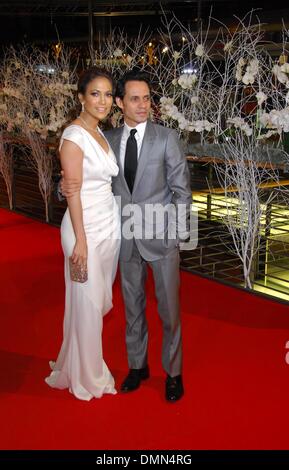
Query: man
{"points": [[153, 174], [160, 176]]}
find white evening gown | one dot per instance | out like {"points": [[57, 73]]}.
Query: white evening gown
{"points": [[80, 365]]}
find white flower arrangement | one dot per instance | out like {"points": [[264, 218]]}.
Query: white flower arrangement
{"points": [[280, 74], [35, 104], [251, 72], [276, 119], [170, 111], [240, 123], [187, 81]]}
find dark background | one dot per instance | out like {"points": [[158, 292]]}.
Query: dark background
{"points": [[42, 21]]}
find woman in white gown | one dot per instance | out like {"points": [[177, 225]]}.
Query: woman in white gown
{"points": [[90, 235]]}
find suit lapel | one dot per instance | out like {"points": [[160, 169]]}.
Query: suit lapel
{"points": [[115, 144], [148, 140]]}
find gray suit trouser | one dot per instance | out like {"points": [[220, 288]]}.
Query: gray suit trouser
{"points": [[167, 280]]}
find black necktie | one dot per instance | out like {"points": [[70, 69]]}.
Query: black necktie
{"points": [[130, 159]]}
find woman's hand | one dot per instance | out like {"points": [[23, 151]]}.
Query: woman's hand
{"points": [[69, 186], [79, 254]]}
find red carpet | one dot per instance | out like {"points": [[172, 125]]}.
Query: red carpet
{"points": [[235, 374]]}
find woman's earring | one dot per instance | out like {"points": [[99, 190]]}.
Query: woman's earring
{"points": [[82, 107]]}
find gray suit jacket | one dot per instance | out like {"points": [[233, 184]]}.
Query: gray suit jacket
{"points": [[162, 178]]}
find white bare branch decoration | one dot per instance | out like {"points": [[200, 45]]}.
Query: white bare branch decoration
{"points": [[244, 180], [37, 95], [6, 166], [40, 160]]}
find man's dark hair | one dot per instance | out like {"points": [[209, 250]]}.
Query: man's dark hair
{"points": [[131, 75], [90, 74]]}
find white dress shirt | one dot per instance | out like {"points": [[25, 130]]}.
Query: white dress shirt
{"points": [[139, 135]]}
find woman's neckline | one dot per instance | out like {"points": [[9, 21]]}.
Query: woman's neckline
{"points": [[106, 153]]}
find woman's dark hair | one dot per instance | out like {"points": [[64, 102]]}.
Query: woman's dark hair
{"points": [[131, 75], [90, 74]]}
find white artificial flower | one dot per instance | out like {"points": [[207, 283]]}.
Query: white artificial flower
{"points": [[176, 55], [261, 97], [264, 119], [173, 112], [239, 75], [200, 126], [285, 68], [187, 80], [248, 78], [194, 78], [239, 72], [183, 123], [253, 66], [280, 119], [241, 62], [240, 123], [208, 125], [281, 76], [251, 72], [167, 108], [117, 53], [200, 51], [194, 99], [228, 46], [276, 119]]}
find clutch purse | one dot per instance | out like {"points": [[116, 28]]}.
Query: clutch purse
{"points": [[77, 273]]}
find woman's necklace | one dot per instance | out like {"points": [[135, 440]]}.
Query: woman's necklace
{"points": [[94, 130], [87, 126]]}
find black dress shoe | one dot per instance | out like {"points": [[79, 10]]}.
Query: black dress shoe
{"points": [[134, 378], [174, 388]]}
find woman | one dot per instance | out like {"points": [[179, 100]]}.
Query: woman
{"points": [[90, 236]]}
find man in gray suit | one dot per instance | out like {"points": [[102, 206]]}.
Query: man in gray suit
{"points": [[153, 176]]}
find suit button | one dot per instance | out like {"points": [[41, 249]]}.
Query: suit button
{"points": [[132, 228]]}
